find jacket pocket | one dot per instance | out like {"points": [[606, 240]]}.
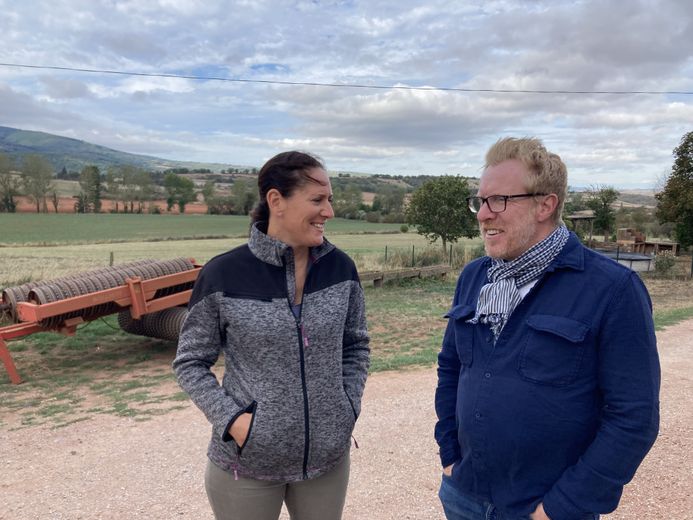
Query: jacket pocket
{"points": [[251, 409], [553, 351], [274, 446], [463, 331]]}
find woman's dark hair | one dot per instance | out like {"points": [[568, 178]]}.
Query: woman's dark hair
{"points": [[284, 172]]}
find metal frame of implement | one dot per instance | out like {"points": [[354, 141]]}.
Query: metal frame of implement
{"points": [[136, 294]]}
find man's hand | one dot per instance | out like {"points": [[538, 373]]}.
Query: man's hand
{"points": [[239, 428], [447, 470], [539, 513]]}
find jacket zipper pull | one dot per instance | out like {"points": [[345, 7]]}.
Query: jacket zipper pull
{"points": [[304, 336], [235, 474]]}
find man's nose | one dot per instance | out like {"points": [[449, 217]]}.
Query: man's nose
{"points": [[484, 212]]}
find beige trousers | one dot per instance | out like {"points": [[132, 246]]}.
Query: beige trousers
{"points": [[321, 498]]}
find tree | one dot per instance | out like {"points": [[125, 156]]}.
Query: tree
{"points": [[439, 209], [346, 201], [92, 187], [601, 199], [113, 187], [180, 191], [208, 191], [389, 200], [243, 197], [37, 175], [675, 202], [135, 187], [9, 185], [55, 200]]}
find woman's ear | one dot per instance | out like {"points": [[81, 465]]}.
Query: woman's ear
{"points": [[275, 202]]}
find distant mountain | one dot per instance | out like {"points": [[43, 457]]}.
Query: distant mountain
{"points": [[74, 154]]}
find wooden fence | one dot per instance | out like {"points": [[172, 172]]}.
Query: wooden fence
{"points": [[378, 277]]}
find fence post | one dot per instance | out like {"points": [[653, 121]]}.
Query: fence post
{"points": [[110, 260], [618, 250], [450, 255], [385, 253], [412, 255], [692, 263]]}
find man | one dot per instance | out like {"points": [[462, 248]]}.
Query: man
{"points": [[548, 377]]}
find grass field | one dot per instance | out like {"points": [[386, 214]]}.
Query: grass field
{"points": [[67, 228], [38, 246]]}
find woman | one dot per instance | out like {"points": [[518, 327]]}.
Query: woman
{"points": [[287, 311]]}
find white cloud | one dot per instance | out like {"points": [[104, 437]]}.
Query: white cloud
{"points": [[501, 44]]}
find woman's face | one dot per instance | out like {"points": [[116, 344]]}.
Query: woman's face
{"points": [[299, 219]]}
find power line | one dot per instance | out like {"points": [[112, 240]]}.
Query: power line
{"points": [[347, 85]]}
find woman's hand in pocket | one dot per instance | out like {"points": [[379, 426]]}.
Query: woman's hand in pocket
{"points": [[239, 429]]}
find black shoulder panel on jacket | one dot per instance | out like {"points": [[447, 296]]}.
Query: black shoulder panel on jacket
{"points": [[333, 268], [238, 273]]}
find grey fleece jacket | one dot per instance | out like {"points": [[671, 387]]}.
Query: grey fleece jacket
{"points": [[301, 378]]}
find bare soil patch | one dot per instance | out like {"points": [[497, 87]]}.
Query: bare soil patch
{"points": [[67, 205], [113, 467]]}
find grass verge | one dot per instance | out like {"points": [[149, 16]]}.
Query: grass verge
{"points": [[667, 317]]}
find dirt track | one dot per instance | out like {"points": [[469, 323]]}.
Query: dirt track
{"points": [[115, 468]]}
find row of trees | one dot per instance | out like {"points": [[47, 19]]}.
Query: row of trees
{"points": [[35, 182], [131, 188]]}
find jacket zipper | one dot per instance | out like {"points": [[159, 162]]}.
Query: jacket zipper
{"points": [[302, 344], [306, 421]]}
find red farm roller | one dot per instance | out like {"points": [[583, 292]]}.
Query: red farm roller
{"points": [[148, 295]]}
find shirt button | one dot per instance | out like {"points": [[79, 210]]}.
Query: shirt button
{"points": [[477, 415], [487, 375]]}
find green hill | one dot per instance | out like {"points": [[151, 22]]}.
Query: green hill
{"points": [[74, 154]]}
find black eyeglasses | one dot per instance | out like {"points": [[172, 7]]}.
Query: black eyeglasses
{"points": [[496, 203]]}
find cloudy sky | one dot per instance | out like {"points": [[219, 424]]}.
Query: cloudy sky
{"points": [[458, 49]]}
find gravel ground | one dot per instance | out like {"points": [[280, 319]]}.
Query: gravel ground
{"points": [[114, 468]]}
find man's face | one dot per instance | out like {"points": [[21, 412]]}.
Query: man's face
{"points": [[508, 234]]}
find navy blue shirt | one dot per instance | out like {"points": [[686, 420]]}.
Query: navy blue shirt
{"points": [[565, 405]]}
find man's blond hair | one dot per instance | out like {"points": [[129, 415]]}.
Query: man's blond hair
{"points": [[547, 172]]}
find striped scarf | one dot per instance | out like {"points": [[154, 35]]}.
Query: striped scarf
{"points": [[499, 298]]}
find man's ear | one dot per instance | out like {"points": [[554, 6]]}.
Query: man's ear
{"points": [[275, 202], [547, 207]]}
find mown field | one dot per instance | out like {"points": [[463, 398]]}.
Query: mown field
{"points": [[105, 370]]}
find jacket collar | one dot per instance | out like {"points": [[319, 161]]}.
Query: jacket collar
{"points": [[572, 256], [274, 251]]}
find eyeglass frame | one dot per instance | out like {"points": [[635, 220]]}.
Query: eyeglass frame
{"points": [[484, 200]]}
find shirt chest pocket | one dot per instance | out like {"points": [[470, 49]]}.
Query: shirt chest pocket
{"points": [[464, 332], [553, 351]]}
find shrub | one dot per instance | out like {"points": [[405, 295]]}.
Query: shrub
{"points": [[404, 228], [664, 263]]}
